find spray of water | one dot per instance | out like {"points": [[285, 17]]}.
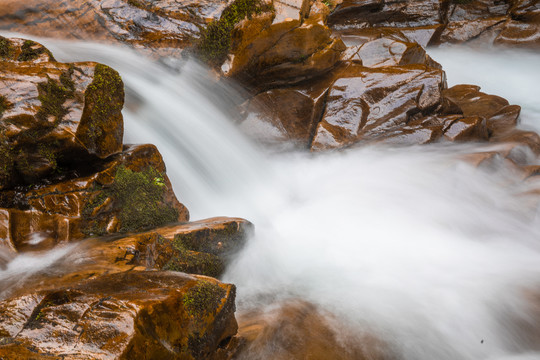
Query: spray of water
{"points": [[437, 259]]}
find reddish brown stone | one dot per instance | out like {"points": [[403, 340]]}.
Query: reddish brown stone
{"points": [[55, 114], [130, 315], [85, 206], [468, 100], [282, 116], [285, 53], [467, 129], [299, 330], [369, 102], [163, 27], [387, 51]]}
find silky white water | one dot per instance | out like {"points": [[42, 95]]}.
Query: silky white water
{"points": [[432, 256]]}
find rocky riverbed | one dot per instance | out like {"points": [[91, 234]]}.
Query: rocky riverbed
{"points": [[135, 278]]}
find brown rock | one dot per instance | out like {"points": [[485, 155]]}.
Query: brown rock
{"points": [[467, 129], [164, 27], [299, 330], [523, 29], [129, 192], [130, 315], [366, 103], [520, 33], [203, 247], [285, 53], [527, 138], [466, 30], [358, 14], [282, 116], [468, 100], [54, 114], [387, 51]]}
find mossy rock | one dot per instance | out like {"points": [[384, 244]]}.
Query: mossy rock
{"points": [[137, 200], [6, 48], [101, 128], [202, 299], [215, 41]]}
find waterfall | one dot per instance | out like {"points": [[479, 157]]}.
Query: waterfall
{"points": [[411, 245]]}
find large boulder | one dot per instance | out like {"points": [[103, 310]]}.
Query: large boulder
{"points": [[380, 13], [364, 104], [128, 315], [467, 20], [53, 114]]}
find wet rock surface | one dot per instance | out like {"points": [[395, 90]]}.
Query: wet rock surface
{"points": [[512, 23], [295, 329], [267, 55], [160, 27], [132, 315], [53, 113], [67, 176]]}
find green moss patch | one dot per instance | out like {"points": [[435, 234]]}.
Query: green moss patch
{"points": [[106, 83], [31, 50], [104, 99], [139, 198], [6, 48], [215, 41], [203, 299], [53, 94]]}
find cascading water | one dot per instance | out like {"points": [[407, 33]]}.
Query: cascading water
{"points": [[435, 258]]}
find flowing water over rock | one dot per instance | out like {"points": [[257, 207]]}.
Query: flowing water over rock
{"points": [[434, 258]]}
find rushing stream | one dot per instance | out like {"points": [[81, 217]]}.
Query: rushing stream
{"points": [[432, 256]]}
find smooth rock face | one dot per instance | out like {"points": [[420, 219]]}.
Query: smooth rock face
{"points": [[267, 55], [387, 51], [95, 204], [282, 116], [129, 315], [162, 27], [52, 114], [369, 102]]}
